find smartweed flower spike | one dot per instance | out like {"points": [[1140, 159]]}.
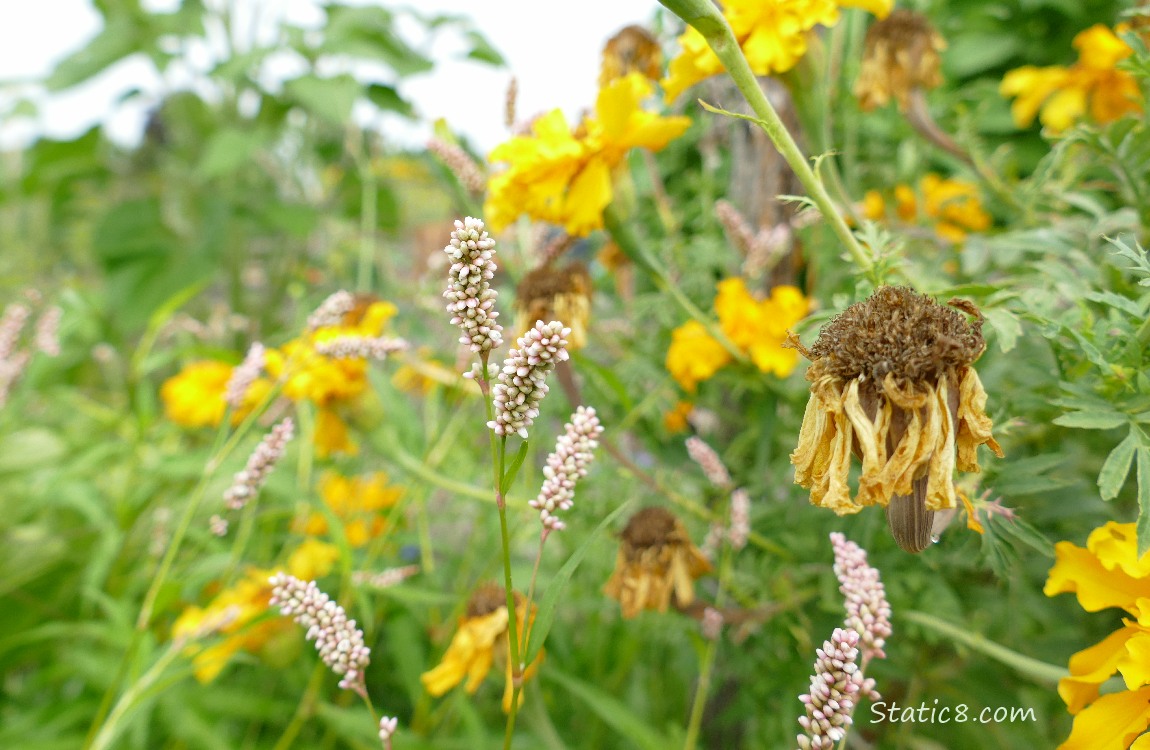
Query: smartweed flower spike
{"points": [[470, 298], [331, 311], [11, 324], [836, 687], [244, 375], [384, 578], [48, 332], [522, 383], [387, 727], [574, 451], [337, 639], [469, 174], [740, 519], [361, 347], [247, 483], [868, 611], [709, 461], [712, 624]]}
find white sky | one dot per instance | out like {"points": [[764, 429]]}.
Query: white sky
{"points": [[551, 47]]}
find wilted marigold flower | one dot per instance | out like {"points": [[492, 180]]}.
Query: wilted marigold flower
{"points": [[772, 34], [482, 637], [1093, 86], [900, 54], [892, 381], [358, 502], [632, 50], [564, 294], [1107, 573], [657, 564]]}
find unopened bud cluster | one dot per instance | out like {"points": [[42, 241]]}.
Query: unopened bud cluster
{"points": [[339, 642], [332, 310], [246, 484], [709, 461], [361, 347], [567, 464], [470, 298], [522, 383], [836, 687], [868, 611]]}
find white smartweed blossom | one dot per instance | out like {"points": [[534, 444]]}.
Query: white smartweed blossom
{"points": [[836, 687], [522, 383], [384, 578], [331, 311], [470, 298], [339, 642], [709, 461], [712, 624], [567, 464], [244, 375], [387, 727], [868, 611], [466, 170], [47, 336], [361, 347], [740, 519], [246, 484]]}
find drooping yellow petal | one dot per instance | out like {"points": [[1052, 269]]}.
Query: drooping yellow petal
{"points": [[1116, 546], [940, 485], [1135, 663], [1090, 668], [1079, 571], [1111, 722]]}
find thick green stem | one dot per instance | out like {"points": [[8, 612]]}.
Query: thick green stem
{"points": [[708, 21]]}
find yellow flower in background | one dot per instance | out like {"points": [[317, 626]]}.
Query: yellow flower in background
{"points": [[564, 177], [694, 355], [1093, 86], [481, 638], [953, 207], [1107, 573], [332, 435], [772, 33], [237, 608], [759, 328], [194, 397], [676, 420], [358, 502]]}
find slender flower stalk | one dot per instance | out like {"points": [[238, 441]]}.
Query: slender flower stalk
{"points": [[836, 687], [247, 483], [331, 311], [522, 382], [709, 461], [470, 298], [339, 642], [567, 464], [244, 375], [361, 347], [868, 611]]}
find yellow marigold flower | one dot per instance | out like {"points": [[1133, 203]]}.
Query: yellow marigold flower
{"points": [[562, 294], [657, 563], [564, 177], [332, 435], [772, 33], [632, 50], [694, 355], [473, 648], [675, 421], [892, 381], [955, 206], [873, 206], [357, 501], [1061, 96], [239, 606], [900, 55], [760, 327], [1107, 573], [194, 397], [906, 203]]}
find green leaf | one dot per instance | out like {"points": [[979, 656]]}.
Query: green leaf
{"points": [[974, 53], [482, 50], [29, 449], [118, 40], [388, 99], [1143, 475], [329, 99], [545, 617], [1092, 420], [1005, 324], [369, 33], [227, 151], [1117, 466], [513, 470], [612, 711]]}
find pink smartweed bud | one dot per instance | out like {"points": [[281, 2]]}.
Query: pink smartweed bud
{"points": [[470, 298], [244, 375], [522, 383], [567, 464], [868, 611], [709, 461], [247, 483], [836, 687], [465, 169], [331, 311], [361, 347]]}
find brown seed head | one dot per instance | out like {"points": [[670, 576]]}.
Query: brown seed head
{"points": [[486, 599], [632, 50], [651, 527], [563, 294], [900, 332]]}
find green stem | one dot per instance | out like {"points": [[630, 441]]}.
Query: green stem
{"points": [[695, 723], [130, 697], [708, 21], [303, 710], [1037, 670]]}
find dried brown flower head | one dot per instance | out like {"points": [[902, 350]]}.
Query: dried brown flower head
{"points": [[900, 54], [892, 382], [656, 563], [563, 294], [632, 50]]}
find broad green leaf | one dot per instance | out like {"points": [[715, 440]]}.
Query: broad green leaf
{"points": [[1005, 324], [1092, 420], [482, 50], [1143, 476], [611, 710], [227, 151], [29, 449], [370, 33], [1117, 466], [545, 617], [388, 99], [971, 54], [329, 99]]}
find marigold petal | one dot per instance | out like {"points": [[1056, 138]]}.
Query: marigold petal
{"points": [[1077, 570], [1090, 668], [1111, 722]]}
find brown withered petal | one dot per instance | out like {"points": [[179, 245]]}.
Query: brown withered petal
{"points": [[562, 294], [632, 50], [657, 564], [892, 383], [900, 54]]}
